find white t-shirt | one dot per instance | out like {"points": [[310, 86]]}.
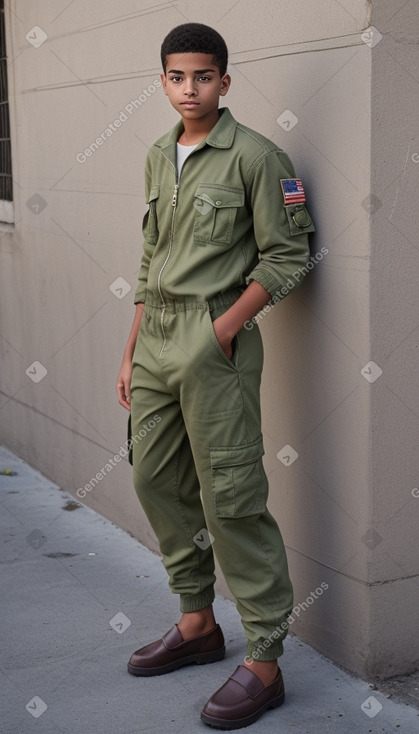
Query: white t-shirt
{"points": [[182, 154]]}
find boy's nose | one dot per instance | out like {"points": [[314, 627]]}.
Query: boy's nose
{"points": [[190, 89]]}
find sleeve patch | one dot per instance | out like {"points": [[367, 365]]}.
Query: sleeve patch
{"points": [[299, 219], [293, 191]]}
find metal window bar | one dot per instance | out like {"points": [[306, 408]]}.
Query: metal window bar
{"points": [[6, 181]]}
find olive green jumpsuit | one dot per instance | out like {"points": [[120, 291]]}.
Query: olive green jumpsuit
{"points": [[197, 460]]}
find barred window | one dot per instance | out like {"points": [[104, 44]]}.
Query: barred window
{"points": [[6, 181]]}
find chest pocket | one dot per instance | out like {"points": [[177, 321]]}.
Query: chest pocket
{"points": [[150, 229], [216, 210]]}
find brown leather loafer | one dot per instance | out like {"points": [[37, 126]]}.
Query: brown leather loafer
{"points": [[242, 700], [171, 652]]}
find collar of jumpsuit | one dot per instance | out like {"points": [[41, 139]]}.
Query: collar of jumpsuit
{"points": [[221, 135]]}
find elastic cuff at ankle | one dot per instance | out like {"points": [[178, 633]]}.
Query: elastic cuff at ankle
{"points": [[195, 602], [264, 650]]}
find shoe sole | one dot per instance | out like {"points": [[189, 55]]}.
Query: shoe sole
{"points": [[246, 720], [199, 659]]}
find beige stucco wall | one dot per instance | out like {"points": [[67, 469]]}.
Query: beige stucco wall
{"points": [[345, 505], [394, 312]]}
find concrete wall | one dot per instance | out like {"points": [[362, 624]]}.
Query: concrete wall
{"points": [[347, 504], [393, 563]]}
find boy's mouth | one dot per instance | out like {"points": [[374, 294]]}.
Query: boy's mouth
{"points": [[189, 104]]}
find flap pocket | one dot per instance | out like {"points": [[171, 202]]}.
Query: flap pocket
{"points": [[299, 219], [239, 481], [150, 231], [216, 209], [154, 193], [237, 455], [220, 196]]}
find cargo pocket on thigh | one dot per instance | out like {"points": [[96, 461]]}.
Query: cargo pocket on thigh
{"points": [[238, 479]]}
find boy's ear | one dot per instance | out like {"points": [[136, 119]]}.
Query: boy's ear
{"points": [[225, 84], [164, 82]]}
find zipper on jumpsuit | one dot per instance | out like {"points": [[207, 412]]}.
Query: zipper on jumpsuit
{"points": [[172, 224], [174, 202]]}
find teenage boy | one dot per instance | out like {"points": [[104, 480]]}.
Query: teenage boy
{"points": [[224, 235]]}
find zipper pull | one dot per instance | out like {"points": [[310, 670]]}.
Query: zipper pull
{"points": [[174, 197]]}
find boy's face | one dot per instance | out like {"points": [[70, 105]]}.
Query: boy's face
{"points": [[193, 84]]}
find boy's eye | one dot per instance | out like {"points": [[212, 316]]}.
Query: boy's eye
{"points": [[202, 78]]}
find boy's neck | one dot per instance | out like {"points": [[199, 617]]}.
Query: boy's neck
{"points": [[194, 131]]}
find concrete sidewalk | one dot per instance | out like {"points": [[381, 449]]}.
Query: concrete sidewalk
{"points": [[79, 595]]}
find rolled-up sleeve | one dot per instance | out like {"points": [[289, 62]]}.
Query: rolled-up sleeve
{"points": [[281, 234]]}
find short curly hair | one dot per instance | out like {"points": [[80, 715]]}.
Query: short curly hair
{"points": [[196, 38]]}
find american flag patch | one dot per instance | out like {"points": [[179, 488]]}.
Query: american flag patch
{"points": [[293, 191]]}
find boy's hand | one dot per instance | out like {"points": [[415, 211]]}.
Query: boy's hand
{"points": [[223, 336], [251, 301], [123, 384]]}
